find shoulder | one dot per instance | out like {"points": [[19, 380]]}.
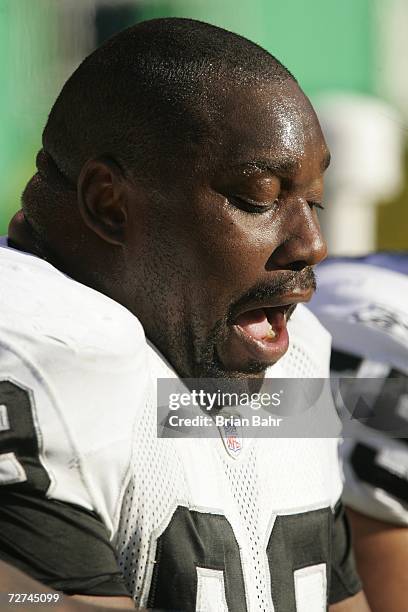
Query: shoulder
{"points": [[78, 362], [365, 309], [354, 282], [362, 302], [39, 300]]}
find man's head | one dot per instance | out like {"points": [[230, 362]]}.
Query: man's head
{"points": [[180, 172]]}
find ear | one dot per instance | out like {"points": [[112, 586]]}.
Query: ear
{"points": [[102, 199]]}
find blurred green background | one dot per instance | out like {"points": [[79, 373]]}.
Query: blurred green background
{"points": [[330, 45]]}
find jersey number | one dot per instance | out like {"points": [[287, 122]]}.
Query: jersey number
{"points": [[198, 551], [19, 449]]}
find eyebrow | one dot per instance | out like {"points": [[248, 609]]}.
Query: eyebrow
{"points": [[282, 166]]}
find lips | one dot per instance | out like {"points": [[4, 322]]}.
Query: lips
{"points": [[258, 331], [261, 334]]}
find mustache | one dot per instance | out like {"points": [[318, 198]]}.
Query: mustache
{"points": [[285, 282]]}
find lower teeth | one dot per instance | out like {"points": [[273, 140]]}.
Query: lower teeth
{"points": [[271, 335]]}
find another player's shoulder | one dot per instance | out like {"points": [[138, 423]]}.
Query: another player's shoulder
{"points": [[40, 304], [349, 283], [362, 302]]}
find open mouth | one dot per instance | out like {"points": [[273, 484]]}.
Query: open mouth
{"points": [[265, 325], [257, 331]]}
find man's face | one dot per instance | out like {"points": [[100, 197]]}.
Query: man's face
{"points": [[225, 252]]}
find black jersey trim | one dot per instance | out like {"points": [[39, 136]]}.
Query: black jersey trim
{"points": [[363, 462], [59, 544], [341, 361], [345, 581]]}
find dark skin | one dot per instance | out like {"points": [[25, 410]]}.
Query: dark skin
{"points": [[381, 551], [240, 214], [223, 251]]}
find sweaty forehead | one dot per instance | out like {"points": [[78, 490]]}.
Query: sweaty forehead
{"points": [[274, 122]]}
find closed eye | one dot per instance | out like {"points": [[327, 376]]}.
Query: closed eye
{"points": [[252, 206], [318, 205]]}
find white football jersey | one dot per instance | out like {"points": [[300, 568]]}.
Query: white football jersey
{"points": [[195, 528], [364, 305], [79, 358], [187, 494], [365, 309]]}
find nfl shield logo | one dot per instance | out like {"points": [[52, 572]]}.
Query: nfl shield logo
{"points": [[232, 439]]}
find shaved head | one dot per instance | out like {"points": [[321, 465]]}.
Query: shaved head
{"points": [[181, 172], [146, 98]]}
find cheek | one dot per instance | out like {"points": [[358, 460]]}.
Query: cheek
{"points": [[235, 246]]}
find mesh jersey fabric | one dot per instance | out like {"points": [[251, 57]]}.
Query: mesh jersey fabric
{"points": [[91, 378], [269, 478]]}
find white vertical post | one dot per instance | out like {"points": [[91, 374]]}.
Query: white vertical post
{"points": [[365, 138]]}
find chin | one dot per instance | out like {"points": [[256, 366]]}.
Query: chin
{"points": [[216, 369]]}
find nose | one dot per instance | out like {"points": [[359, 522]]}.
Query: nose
{"points": [[302, 243]]}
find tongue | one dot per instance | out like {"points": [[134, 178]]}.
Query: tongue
{"points": [[254, 323]]}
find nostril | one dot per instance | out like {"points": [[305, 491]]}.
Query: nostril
{"points": [[297, 266], [275, 263]]}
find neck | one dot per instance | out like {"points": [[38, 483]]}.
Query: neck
{"points": [[22, 236]]}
